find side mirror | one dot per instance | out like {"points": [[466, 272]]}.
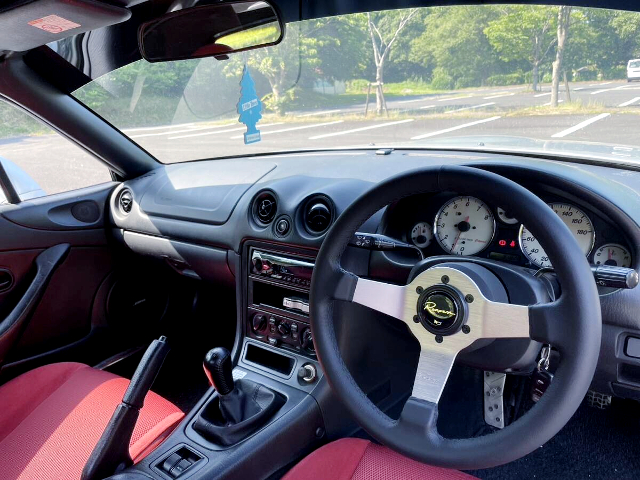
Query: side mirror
{"points": [[210, 31], [20, 185]]}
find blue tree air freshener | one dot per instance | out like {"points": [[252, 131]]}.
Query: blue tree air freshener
{"points": [[249, 107]]}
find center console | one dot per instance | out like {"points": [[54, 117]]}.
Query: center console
{"points": [[278, 300]]}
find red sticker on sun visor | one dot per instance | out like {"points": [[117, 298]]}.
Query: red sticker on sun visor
{"points": [[53, 24]]}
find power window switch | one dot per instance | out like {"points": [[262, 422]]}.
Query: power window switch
{"points": [[171, 461], [181, 467]]}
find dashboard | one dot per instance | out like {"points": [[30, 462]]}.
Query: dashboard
{"points": [[454, 224], [205, 218]]}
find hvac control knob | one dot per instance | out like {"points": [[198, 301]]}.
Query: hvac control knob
{"points": [[306, 341], [259, 323], [284, 329]]}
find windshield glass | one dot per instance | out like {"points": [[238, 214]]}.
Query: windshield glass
{"points": [[505, 77]]}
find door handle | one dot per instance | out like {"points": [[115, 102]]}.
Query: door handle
{"points": [[14, 324], [6, 279]]}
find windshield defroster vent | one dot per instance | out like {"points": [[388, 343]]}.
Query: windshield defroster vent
{"points": [[264, 208], [125, 201], [318, 214]]}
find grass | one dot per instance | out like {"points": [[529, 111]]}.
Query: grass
{"points": [[408, 87]]}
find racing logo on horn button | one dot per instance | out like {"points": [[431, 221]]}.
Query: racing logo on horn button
{"points": [[441, 310]]}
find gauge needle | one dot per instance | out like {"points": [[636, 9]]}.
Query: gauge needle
{"points": [[610, 254], [458, 237]]}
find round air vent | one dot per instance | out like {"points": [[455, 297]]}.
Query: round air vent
{"points": [[125, 201], [318, 215], [264, 208]]}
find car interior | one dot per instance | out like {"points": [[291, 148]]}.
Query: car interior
{"points": [[303, 314]]}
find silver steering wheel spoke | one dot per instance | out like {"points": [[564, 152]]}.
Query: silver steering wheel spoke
{"points": [[446, 311]]}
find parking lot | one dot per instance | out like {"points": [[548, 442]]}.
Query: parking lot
{"points": [[607, 115]]}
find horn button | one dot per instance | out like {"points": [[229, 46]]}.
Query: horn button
{"points": [[441, 309]]}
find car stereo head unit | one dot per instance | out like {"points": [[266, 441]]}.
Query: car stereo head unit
{"points": [[282, 269]]}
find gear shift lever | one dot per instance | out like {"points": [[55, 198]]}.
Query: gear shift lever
{"points": [[238, 408], [219, 371]]}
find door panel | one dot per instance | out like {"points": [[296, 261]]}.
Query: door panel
{"points": [[64, 313]]}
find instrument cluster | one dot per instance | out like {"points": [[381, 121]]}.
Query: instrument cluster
{"points": [[466, 225]]}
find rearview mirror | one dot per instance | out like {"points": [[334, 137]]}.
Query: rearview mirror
{"points": [[210, 31]]}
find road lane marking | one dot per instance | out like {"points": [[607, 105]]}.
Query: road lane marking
{"points": [[578, 89], [471, 108], [499, 95], [610, 89], [453, 98], [325, 112], [292, 129], [600, 84], [361, 129], [422, 99], [202, 134], [174, 132], [549, 103], [580, 126], [542, 94], [452, 129], [630, 102], [426, 107], [161, 127]]}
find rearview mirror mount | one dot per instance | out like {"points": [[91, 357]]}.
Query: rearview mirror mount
{"points": [[210, 31]]}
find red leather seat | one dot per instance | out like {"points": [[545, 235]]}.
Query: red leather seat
{"points": [[356, 459], [52, 417]]}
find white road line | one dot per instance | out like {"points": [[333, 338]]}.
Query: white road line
{"points": [[542, 94], [499, 95], [174, 132], [453, 98], [361, 129], [549, 103], [325, 112], [162, 127], [630, 102], [426, 107], [422, 99], [220, 131], [610, 89], [578, 89], [600, 84], [579, 126], [292, 129], [471, 108], [452, 129]]}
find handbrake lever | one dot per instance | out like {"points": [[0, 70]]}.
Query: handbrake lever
{"points": [[111, 454]]}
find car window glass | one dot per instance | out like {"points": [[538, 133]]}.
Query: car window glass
{"points": [[40, 161]]}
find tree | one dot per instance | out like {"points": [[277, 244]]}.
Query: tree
{"points": [[524, 32], [453, 41], [564, 19], [384, 29]]}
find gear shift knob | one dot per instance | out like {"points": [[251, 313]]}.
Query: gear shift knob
{"points": [[219, 371]]}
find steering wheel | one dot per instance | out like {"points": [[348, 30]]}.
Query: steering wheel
{"points": [[450, 306]]}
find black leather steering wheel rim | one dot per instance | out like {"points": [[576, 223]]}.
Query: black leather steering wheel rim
{"points": [[572, 324]]}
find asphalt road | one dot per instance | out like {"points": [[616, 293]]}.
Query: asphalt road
{"points": [[480, 113]]}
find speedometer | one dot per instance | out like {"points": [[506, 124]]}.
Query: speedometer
{"points": [[464, 226], [574, 218]]}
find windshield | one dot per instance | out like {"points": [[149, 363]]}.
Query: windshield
{"points": [[504, 77], [634, 64]]}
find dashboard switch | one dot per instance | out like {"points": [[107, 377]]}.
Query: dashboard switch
{"points": [[633, 347]]}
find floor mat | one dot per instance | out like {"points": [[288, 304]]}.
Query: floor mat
{"points": [[594, 445]]}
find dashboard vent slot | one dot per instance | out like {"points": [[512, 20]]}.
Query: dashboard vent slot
{"points": [[318, 214], [125, 201], [265, 207]]}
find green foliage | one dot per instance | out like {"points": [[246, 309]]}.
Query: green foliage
{"points": [[441, 80], [618, 72], [466, 82], [516, 78]]}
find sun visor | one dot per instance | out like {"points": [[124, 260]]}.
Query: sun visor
{"points": [[31, 24]]}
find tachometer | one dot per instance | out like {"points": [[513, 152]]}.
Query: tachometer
{"points": [[421, 235], [574, 218], [612, 254], [464, 226]]}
